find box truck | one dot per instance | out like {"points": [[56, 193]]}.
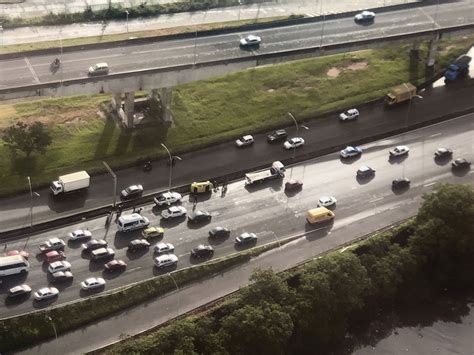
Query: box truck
{"points": [[400, 93], [70, 183]]}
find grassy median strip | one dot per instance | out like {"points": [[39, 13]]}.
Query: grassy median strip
{"points": [[138, 34], [209, 112]]}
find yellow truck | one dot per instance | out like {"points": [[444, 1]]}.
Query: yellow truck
{"points": [[400, 93]]}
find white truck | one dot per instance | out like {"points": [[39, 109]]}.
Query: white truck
{"points": [[276, 171], [70, 182]]}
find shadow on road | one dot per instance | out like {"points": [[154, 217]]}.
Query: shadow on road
{"points": [[67, 202], [365, 180], [397, 160], [317, 231]]}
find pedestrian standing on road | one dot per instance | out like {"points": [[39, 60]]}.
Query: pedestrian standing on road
{"points": [[195, 201], [5, 248]]}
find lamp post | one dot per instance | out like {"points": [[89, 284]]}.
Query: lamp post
{"points": [[177, 290], [115, 181], [126, 11], [31, 209], [171, 157], [240, 4], [54, 327], [297, 130]]}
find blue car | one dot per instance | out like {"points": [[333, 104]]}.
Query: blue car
{"points": [[350, 152]]}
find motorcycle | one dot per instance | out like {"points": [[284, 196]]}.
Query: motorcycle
{"points": [[147, 166], [55, 64]]}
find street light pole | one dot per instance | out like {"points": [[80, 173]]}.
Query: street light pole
{"points": [[171, 159], [240, 4], [126, 11], [54, 328], [31, 202], [115, 181]]}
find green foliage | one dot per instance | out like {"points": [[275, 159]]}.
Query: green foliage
{"points": [[257, 329], [444, 234], [27, 138]]}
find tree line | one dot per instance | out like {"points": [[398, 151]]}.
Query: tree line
{"points": [[311, 310]]}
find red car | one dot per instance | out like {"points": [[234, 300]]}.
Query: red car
{"points": [[54, 255], [293, 185], [115, 265]]}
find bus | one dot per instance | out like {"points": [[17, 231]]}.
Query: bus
{"points": [[15, 264]]}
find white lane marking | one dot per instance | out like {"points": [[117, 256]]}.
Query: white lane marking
{"points": [[435, 135], [430, 184], [375, 200], [134, 269], [28, 64]]}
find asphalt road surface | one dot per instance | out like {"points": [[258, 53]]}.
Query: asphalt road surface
{"points": [[268, 210], [226, 158], [36, 69]]}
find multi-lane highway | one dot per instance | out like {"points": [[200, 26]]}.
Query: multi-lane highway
{"points": [[269, 211], [225, 158], [36, 68]]}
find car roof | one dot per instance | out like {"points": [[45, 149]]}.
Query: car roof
{"points": [[247, 136]]}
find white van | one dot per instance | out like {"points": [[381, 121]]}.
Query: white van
{"points": [[15, 264], [131, 222]]}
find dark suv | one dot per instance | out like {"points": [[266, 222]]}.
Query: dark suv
{"points": [[277, 136], [202, 251]]}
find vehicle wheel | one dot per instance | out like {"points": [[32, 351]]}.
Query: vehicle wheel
{"points": [[207, 188], [195, 190]]}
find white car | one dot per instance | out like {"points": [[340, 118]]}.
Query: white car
{"points": [[173, 211], [46, 293], [327, 201], [349, 115], [365, 16], [250, 40], [350, 152], [167, 198], [92, 282], [161, 248], [244, 141], [59, 266], [399, 150], [80, 234], [245, 238], [166, 260], [131, 192], [294, 143]]}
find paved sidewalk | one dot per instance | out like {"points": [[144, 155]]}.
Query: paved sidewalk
{"points": [[285, 8]]}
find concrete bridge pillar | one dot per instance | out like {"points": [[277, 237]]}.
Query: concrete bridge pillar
{"points": [[116, 102], [415, 49], [129, 105], [166, 94], [430, 61]]}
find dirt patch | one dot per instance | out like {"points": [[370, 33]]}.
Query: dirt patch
{"points": [[357, 66], [333, 72]]}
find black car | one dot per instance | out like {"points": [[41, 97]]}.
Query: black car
{"points": [[293, 185], [460, 163], [443, 153], [202, 251], [199, 216], [219, 232], [138, 244], [401, 183], [277, 136]]}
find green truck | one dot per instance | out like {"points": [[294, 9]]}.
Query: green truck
{"points": [[400, 93]]}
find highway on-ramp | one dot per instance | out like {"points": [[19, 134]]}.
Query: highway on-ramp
{"points": [[35, 69], [269, 211]]}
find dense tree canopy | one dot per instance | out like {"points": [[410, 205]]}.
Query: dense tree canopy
{"points": [[27, 138]]}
